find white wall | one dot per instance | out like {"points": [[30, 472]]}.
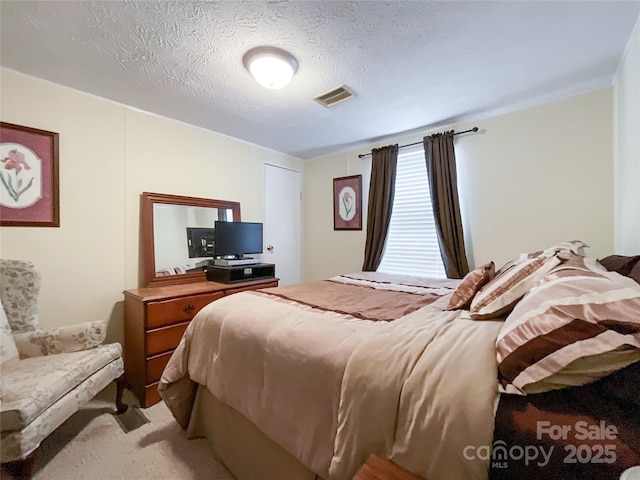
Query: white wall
{"points": [[109, 155], [328, 252], [626, 88], [528, 179], [82, 261]]}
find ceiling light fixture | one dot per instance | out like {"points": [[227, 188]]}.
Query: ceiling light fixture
{"points": [[271, 67]]}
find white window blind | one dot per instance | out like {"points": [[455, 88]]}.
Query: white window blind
{"points": [[412, 246]]}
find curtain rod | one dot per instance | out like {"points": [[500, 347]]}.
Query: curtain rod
{"points": [[474, 129]]}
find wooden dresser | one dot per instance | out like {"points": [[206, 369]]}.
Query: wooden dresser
{"points": [[155, 319]]}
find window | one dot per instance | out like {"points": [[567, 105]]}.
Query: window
{"points": [[412, 244]]}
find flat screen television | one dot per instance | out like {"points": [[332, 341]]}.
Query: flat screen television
{"points": [[237, 238]]}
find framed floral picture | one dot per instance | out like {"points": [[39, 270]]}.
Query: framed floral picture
{"points": [[347, 203], [29, 195]]}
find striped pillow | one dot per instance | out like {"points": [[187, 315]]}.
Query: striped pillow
{"points": [[579, 324], [470, 285], [574, 246], [509, 285]]}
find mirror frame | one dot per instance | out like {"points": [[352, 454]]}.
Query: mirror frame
{"points": [[147, 201]]}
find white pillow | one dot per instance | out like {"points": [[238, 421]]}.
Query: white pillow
{"points": [[8, 349]]}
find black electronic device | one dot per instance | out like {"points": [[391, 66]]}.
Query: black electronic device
{"points": [[200, 242], [236, 239], [243, 273]]}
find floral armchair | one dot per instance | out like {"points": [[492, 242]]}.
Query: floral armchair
{"points": [[45, 375]]}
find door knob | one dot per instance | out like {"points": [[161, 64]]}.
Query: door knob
{"points": [[270, 248]]}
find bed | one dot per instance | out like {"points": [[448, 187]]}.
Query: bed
{"points": [[307, 381]]}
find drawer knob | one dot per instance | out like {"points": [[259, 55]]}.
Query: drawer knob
{"points": [[188, 308]]}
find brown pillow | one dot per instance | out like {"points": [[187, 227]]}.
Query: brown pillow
{"points": [[635, 272], [470, 285], [622, 386], [627, 266]]}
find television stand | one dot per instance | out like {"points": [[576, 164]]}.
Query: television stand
{"points": [[240, 273]]}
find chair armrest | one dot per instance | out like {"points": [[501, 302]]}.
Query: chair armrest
{"points": [[73, 338], [32, 344]]}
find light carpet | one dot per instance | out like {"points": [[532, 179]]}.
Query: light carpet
{"points": [[91, 445]]}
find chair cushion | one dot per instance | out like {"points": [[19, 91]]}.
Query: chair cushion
{"points": [[8, 349], [32, 385], [19, 444]]}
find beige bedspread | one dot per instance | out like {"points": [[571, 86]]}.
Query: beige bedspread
{"points": [[336, 370]]}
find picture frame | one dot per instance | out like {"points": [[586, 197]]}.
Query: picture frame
{"points": [[29, 182], [347, 203]]}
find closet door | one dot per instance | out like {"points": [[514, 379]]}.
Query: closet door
{"points": [[282, 222]]}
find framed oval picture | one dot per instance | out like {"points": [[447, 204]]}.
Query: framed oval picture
{"points": [[347, 203]]}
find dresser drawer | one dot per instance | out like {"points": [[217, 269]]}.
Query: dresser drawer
{"points": [[169, 312], [165, 339], [151, 395], [155, 366]]}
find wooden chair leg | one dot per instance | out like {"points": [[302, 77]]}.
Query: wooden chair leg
{"points": [[20, 469], [121, 384]]}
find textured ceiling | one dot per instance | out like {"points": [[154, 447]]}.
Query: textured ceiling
{"points": [[412, 64]]}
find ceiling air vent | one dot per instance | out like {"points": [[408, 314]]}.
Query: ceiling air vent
{"points": [[334, 96]]}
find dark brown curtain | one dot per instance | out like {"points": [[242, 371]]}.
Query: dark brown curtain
{"points": [[381, 190], [443, 182]]}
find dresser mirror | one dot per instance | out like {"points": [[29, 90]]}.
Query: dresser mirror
{"points": [[176, 234]]}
